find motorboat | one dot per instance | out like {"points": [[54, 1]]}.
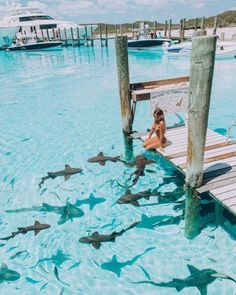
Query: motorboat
{"points": [[24, 22], [181, 48], [146, 39], [224, 49]]}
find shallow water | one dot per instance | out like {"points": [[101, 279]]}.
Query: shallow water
{"points": [[60, 108]]}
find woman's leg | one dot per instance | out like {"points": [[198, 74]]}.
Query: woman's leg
{"points": [[153, 145], [149, 141]]}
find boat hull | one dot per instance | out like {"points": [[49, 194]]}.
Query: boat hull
{"points": [[147, 44], [37, 46]]}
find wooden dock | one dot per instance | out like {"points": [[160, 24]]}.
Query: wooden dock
{"points": [[219, 163], [219, 178]]}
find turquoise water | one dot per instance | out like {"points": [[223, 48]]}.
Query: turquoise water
{"points": [[62, 107]]}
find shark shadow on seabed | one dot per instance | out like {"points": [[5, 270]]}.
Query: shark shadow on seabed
{"points": [[57, 259], [198, 278], [116, 266], [67, 212], [92, 201], [151, 222], [8, 275]]}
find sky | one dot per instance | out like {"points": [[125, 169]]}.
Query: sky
{"points": [[120, 11]]}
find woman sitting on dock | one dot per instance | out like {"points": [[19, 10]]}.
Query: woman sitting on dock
{"points": [[159, 127]]}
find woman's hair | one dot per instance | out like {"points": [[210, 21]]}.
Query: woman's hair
{"points": [[158, 115]]}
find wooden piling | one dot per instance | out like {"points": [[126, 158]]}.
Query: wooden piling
{"points": [[53, 33], [201, 74], [203, 23], [121, 30], [181, 30], [66, 41], [48, 37], [121, 45], [78, 36], [165, 29], [106, 36], [195, 24], [215, 25], [42, 34], [132, 30], [100, 34], [170, 26], [86, 36], [59, 33], [91, 36], [72, 37]]}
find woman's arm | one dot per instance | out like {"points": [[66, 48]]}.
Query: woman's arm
{"points": [[162, 133], [151, 132]]}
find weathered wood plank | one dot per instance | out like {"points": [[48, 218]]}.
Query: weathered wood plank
{"points": [[230, 202], [221, 181], [224, 189], [180, 146], [207, 148], [158, 83], [227, 195], [215, 158], [211, 154]]}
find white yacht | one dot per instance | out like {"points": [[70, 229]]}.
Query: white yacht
{"points": [[20, 23]]}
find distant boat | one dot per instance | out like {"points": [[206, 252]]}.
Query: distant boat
{"points": [[146, 40], [23, 22], [223, 49]]}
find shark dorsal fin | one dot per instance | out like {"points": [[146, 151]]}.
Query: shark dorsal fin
{"points": [[128, 191], [144, 217], [192, 269], [95, 234], [100, 154], [67, 166], [37, 222], [4, 266], [114, 258]]}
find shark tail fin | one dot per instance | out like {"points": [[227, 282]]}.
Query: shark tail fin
{"points": [[4, 266]]}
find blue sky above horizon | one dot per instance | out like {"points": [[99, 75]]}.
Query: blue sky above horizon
{"points": [[119, 11]]}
